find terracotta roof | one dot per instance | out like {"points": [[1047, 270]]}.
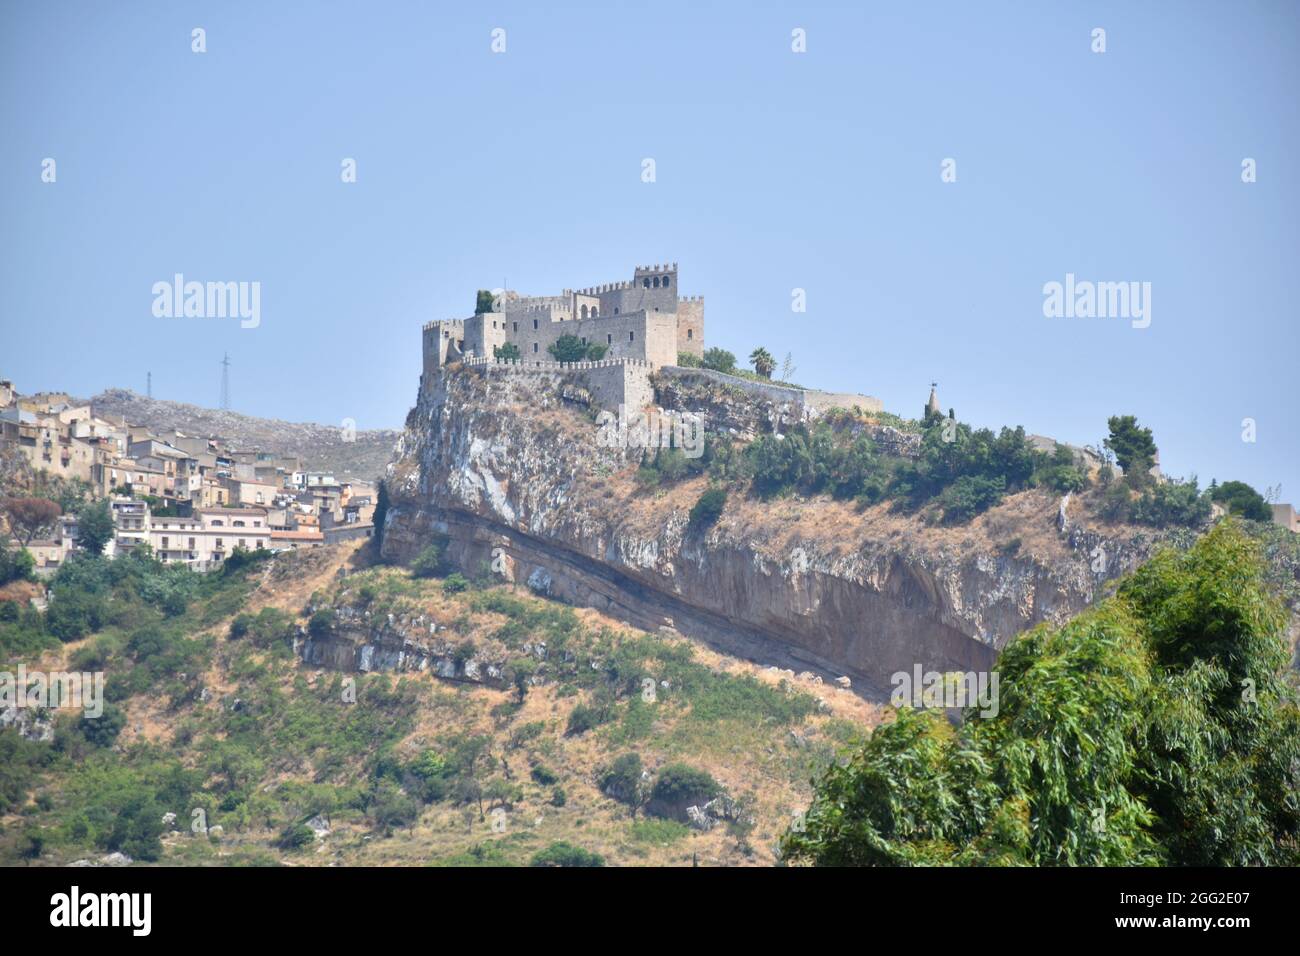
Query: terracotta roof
{"points": [[296, 535]]}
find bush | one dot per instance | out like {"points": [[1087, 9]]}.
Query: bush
{"points": [[508, 352], [679, 786], [622, 780], [102, 731], [584, 718], [708, 509], [455, 583], [428, 563], [720, 360], [1167, 503], [295, 836], [321, 623], [566, 854], [544, 775]]}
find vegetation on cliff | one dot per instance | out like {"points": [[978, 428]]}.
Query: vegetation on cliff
{"points": [[1156, 729]]}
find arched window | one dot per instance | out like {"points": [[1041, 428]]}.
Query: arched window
{"points": [[646, 282], [665, 282], [690, 334], [595, 311], [584, 311], [656, 282]]}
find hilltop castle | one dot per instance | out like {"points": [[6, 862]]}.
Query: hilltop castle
{"points": [[643, 320]]}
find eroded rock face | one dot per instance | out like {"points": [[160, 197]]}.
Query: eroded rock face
{"points": [[512, 473]]}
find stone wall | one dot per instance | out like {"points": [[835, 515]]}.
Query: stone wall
{"points": [[800, 400], [609, 382]]}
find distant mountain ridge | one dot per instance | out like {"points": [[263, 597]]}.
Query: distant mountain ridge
{"points": [[321, 447]]}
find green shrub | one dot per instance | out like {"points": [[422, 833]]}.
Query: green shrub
{"points": [[708, 508], [295, 836], [321, 623], [679, 786], [622, 780], [455, 583], [584, 718], [566, 854], [429, 562]]}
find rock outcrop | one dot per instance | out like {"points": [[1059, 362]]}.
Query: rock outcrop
{"points": [[511, 472]]}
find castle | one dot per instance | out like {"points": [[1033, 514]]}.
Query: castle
{"points": [[643, 320]]}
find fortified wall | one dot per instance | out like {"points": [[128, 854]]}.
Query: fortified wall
{"points": [[610, 382]]}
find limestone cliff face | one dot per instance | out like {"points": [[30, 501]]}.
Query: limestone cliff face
{"points": [[510, 470]]}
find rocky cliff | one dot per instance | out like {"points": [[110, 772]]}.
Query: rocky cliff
{"points": [[509, 470]]}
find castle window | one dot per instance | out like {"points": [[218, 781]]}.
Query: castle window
{"points": [[534, 347], [631, 336], [584, 311], [690, 334], [646, 282], [616, 310], [595, 311], [516, 326], [665, 282], [656, 282], [609, 340], [534, 323]]}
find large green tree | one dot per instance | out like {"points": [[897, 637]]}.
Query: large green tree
{"points": [[1153, 729], [1241, 499], [1133, 447], [95, 527]]}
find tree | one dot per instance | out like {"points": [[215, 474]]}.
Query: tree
{"points": [[720, 360], [1155, 728], [1134, 448], [381, 514], [1242, 500], [762, 361], [31, 516], [568, 348], [95, 527], [508, 352], [483, 302]]}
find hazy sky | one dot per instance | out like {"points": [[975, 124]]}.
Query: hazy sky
{"points": [[775, 171]]}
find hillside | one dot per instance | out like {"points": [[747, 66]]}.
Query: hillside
{"points": [[321, 447], [214, 712]]}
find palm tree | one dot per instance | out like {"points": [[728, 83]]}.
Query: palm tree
{"points": [[762, 361]]}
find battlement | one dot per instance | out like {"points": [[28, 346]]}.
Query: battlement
{"points": [[607, 287], [657, 268], [447, 322], [523, 365], [691, 298]]}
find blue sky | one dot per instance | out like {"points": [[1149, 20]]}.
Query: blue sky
{"points": [[775, 171]]}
